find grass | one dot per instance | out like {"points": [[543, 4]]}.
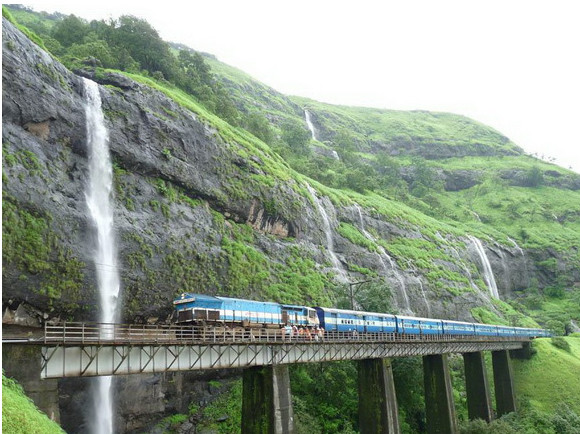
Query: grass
{"points": [[551, 376], [20, 415]]}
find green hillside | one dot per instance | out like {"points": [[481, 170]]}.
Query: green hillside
{"points": [[445, 165], [551, 376], [20, 415]]}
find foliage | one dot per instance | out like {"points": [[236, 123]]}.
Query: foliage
{"points": [[356, 237], [369, 295], [561, 343], [20, 415], [409, 387], [327, 394], [171, 424], [131, 44], [228, 405]]}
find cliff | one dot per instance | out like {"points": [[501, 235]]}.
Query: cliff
{"points": [[196, 205]]}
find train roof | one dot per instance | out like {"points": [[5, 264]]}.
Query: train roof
{"points": [[457, 322], [353, 312], [419, 318], [219, 298]]}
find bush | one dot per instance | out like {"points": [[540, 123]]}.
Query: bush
{"points": [[561, 343], [566, 421]]}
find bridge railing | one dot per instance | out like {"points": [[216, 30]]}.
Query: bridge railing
{"points": [[73, 333]]}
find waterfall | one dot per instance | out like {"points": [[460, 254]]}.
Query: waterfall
{"points": [[382, 253], [519, 249], [310, 124], [98, 196], [342, 275], [525, 262], [425, 299], [487, 270], [460, 259]]}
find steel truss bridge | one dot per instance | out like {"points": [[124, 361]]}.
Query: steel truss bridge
{"points": [[81, 349]]}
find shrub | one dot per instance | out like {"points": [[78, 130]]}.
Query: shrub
{"points": [[561, 343]]}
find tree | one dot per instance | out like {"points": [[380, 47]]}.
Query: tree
{"points": [[258, 125], [296, 136], [143, 44], [69, 31], [424, 178], [97, 49], [368, 296]]}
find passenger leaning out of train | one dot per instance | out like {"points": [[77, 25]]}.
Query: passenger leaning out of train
{"points": [[287, 332]]}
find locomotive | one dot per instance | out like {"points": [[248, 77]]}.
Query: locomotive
{"points": [[208, 310]]}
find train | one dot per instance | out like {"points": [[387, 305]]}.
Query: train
{"points": [[209, 310]]}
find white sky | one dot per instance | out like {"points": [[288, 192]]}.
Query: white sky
{"points": [[510, 64]]}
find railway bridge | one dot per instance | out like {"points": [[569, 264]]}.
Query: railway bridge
{"points": [[82, 349]]}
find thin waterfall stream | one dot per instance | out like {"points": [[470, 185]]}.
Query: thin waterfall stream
{"points": [[99, 202], [383, 253], [341, 272], [310, 124], [487, 270]]}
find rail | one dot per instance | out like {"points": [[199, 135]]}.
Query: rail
{"points": [[74, 333]]}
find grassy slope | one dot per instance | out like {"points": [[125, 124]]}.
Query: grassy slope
{"points": [[547, 215], [417, 126], [551, 376], [20, 415]]}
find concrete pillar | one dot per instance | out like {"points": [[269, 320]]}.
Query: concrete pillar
{"points": [[503, 378], [377, 401], [525, 353], [267, 401], [439, 405], [22, 362], [477, 387]]}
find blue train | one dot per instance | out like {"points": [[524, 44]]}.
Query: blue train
{"points": [[214, 310]]}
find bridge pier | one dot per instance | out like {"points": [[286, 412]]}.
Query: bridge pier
{"points": [[267, 401], [503, 378], [440, 407], [22, 362], [377, 401], [477, 387]]}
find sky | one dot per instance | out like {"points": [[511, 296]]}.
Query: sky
{"points": [[510, 64]]}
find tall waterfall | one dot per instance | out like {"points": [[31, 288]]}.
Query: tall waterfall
{"points": [[342, 275], [383, 254], [98, 196], [487, 270], [310, 124]]}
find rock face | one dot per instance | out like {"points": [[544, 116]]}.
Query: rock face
{"points": [[196, 210]]}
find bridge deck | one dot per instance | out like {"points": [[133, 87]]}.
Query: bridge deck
{"points": [[77, 349]]}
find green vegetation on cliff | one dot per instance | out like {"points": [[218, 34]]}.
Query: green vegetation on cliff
{"points": [[20, 415]]}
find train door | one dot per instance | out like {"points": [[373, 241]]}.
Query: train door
{"points": [[333, 322], [285, 317], [365, 323]]}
